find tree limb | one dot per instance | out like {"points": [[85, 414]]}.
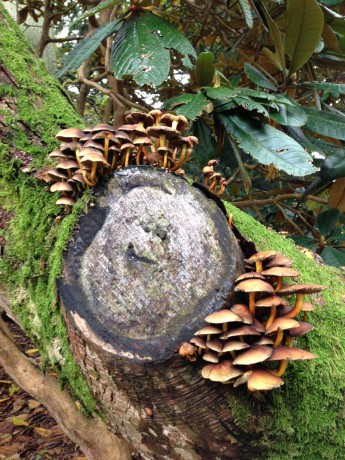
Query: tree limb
{"points": [[91, 434]]}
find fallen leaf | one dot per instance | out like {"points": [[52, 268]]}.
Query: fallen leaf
{"points": [[44, 432], [33, 404], [5, 438], [18, 421], [32, 351]]}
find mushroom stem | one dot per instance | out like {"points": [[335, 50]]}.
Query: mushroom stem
{"points": [[93, 177], [279, 284], [297, 308], [279, 338], [272, 316], [162, 140], [258, 266], [251, 303], [224, 327], [281, 369], [126, 163], [106, 148], [86, 179]]}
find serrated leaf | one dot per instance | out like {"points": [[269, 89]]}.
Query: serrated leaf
{"points": [[141, 49], [325, 123], [327, 220], [139, 53], [258, 78], [290, 115], [83, 50], [222, 92], [329, 87], [204, 69], [334, 257], [97, 9], [170, 37], [170, 104], [304, 28], [337, 195], [250, 104], [268, 145], [247, 12], [194, 107]]}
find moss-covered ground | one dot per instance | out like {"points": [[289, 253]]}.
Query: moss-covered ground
{"points": [[304, 419]]}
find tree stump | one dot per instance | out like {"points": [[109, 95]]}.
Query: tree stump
{"points": [[150, 260]]}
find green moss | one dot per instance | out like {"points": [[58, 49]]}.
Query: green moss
{"points": [[305, 418]]}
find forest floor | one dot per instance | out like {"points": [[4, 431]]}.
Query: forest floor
{"points": [[27, 431]]}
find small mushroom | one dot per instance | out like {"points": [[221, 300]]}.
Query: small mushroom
{"points": [[223, 317], [243, 312], [271, 302], [208, 331], [211, 357], [188, 351], [279, 325], [286, 354], [300, 290], [259, 257], [221, 372], [261, 380], [253, 286], [240, 331], [279, 273], [255, 354]]}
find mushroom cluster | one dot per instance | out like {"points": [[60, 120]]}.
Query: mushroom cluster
{"points": [[242, 343], [213, 180], [152, 139]]}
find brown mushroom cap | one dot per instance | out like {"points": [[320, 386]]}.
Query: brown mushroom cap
{"points": [[221, 372], [159, 130], [57, 175], [301, 289], [69, 134], [211, 357], [94, 145], [249, 275], [270, 301], [186, 349], [255, 354], [208, 330], [302, 329], [243, 312], [142, 140], [67, 164], [62, 187], [71, 147], [215, 345], [199, 342], [103, 127], [137, 117], [254, 285], [180, 121], [260, 380], [281, 271], [234, 345], [93, 156], [223, 316], [65, 201], [263, 255], [258, 326], [264, 341], [278, 261], [243, 330], [207, 170], [122, 136], [290, 354], [282, 324]]}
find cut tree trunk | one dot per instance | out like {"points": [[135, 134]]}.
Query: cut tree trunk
{"points": [[151, 259]]}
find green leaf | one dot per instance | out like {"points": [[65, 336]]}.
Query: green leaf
{"points": [[141, 49], [258, 78], [194, 107], [333, 166], [83, 50], [268, 145], [206, 148], [204, 70], [250, 104], [334, 257], [304, 28], [290, 115], [325, 123], [324, 86], [305, 241], [247, 12], [97, 9], [170, 37], [327, 220], [222, 92], [331, 2], [170, 104], [278, 56]]}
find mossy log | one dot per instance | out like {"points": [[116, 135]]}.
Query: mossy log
{"points": [[149, 261], [304, 419]]}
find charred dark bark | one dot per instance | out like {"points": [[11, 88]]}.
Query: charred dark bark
{"points": [[152, 258]]}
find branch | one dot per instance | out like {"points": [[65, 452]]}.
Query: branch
{"points": [[66, 39], [91, 434], [288, 196]]}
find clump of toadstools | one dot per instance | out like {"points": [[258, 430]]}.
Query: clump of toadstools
{"points": [[213, 180], [253, 341], [152, 139]]}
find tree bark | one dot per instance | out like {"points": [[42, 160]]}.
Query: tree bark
{"points": [[146, 265]]}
